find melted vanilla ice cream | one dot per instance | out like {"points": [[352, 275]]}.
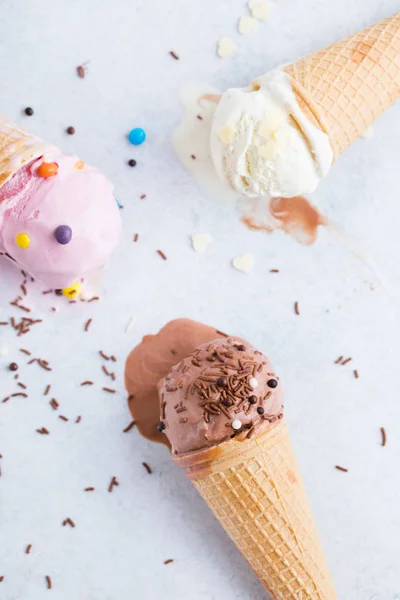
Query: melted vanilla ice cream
{"points": [[262, 144]]}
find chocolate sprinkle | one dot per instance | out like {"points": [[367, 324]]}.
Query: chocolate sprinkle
{"points": [[339, 468], [356, 374], [113, 483], [81, 71], [28, 549], [174, 55], [88, 322], [169, 561], [70, 522], [49, 583], [161, 426], [346, 361], [384, 438], [296, 308], [161, 253], [89, 489], [148, 468]]}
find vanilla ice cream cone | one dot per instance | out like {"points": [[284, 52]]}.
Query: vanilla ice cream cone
{"points": [[17, 148], [345, 87], [255, 490], [279, 136]]}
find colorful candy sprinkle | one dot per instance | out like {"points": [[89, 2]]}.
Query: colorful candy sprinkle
{"points": [[47, 170], [73, 291], [137, 136], [63, 234], [23, 240]]}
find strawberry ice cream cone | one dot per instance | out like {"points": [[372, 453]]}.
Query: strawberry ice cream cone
{"points": [[59, 220]]}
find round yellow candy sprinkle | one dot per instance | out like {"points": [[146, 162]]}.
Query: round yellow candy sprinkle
{"points": [[73, 291], [23, 240]]}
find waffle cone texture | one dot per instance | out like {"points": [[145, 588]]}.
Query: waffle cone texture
{"points": [[344, 88], [255, 490], [18, 148]]}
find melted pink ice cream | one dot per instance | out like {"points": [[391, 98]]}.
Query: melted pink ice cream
{"points": [[78, 196]]}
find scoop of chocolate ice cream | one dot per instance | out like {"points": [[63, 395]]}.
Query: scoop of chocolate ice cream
{"points": [[223, 389]]}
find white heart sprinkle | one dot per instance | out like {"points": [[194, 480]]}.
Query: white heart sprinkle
{"points": [[200, 241], [244, 263], [260, 10], [226, 47], [236, 424], [247, 25], [253, 383], [368, 133]]}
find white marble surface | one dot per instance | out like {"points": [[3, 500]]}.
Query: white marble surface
{"points": [[117, 549]]}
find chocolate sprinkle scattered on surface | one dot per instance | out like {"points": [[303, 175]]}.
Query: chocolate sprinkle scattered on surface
{"points": [[143, 196], [113, 358], [1, 578], [78, 419], [109, 390], [25, 351], [274, 270], [174, 55], [28, 549], [3, 323], [136, 237], [339, 468], [63, 418], [94, 298], [54, 404], [81, 71], [20, 394], [384, 437], [296, 308], [148, 468], [89, 489], [104, 355], [43, 431], [70, 522], [200, 118], [113, 483], [356, 374], [169, 561], [129, 427], [338, 360], [161, 253], [49, 583], [346, 361], [88, 322], [87, 383]]}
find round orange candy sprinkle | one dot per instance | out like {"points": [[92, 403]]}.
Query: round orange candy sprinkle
{"points": [[47, 170]]}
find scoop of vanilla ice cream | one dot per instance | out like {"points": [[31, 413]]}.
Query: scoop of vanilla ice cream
{"points": [[262, 144]]}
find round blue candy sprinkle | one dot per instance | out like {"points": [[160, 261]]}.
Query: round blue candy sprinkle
{"points": [[63, 234], [137, 136]]}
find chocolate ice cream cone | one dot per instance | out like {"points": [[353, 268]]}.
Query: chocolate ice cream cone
{"points": [[255, 490]]}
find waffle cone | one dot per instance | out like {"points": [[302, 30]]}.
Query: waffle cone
{"points": [[344, 88], [255, 490], [17, 148]]}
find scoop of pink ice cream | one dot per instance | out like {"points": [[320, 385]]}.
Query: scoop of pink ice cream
{"points": [[224, 389], [71, 221]]}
